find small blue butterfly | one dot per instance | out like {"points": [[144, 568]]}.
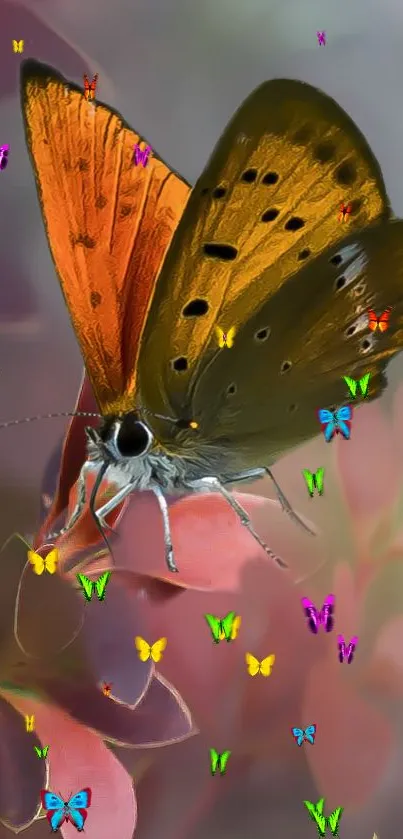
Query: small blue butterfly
{"points": [[308, 734], [59, 811], [336, 422]]}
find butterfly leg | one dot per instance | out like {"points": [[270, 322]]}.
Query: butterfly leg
{"points": [[85, 469], [169, 554], [260, 472], [111, 505], [214, 484]]}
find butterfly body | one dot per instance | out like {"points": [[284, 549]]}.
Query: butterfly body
{"points": [[322, 822], [319, 617], [308, 734], [41, 752], [218, 761], [380, 322], [40, 564], [90, 87], [146, 650], [263, 667], [346, 651], [225, 339], [4, 156], [336, 422], [359, 387], [89, 586], [345, 210], [225, 628], [314, 480], [73, 810], [245, 246], [141, 156]]}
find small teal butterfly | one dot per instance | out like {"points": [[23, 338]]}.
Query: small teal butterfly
{"points": [[336, 422], [73, 810], [309, 734]]}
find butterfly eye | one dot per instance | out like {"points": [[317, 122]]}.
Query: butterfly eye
{"points": [[132, 438]]}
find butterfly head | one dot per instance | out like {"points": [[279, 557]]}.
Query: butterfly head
{"points": [[119, 439]]}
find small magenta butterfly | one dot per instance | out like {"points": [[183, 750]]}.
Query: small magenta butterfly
{"points": [[346, 651], [324, 616]]}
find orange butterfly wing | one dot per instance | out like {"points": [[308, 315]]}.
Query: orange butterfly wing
{"points": [[86, 87], [372, 320], [109, 224], [383, 320]]}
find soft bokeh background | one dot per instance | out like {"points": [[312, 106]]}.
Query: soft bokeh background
{"points": [[177, 71]]}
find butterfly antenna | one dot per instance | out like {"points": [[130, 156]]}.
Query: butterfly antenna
{"points": [[179, 422], [49, 416], [94, 493]]}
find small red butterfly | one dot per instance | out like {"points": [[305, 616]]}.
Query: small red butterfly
{"points": [[90, 87], [345, 210], [106, 688], [381, 322]]}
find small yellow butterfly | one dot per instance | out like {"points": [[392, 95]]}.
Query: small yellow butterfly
{"points": [[225, 339], [255, 666], [147, 651], [18, 46], [30, 722], [49, 563]]}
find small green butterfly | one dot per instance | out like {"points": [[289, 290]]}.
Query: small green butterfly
{"points": [[316, 813], [314, 480], [42, 752], [219, 761], [354, 384], [88, 585]]}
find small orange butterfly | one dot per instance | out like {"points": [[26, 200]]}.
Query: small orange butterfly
{"points": [[90, 87], [381, 322], [345, 210]]}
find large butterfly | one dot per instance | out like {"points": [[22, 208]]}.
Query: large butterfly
{"points": [[148, 268], [317, 617], [73, 810]]}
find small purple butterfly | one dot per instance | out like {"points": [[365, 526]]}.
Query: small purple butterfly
{"points": [[346, 651], [4, 156], [321, 36], [324, 616]]}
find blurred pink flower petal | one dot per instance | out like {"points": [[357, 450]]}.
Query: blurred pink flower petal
{"points": [[22, 774], [78, 759], [108, 637], [350, 734], [160, 717], [369, 469], [43, 630]]}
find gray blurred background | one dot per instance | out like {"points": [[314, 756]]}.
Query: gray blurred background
{"points": [[176, 70]]}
